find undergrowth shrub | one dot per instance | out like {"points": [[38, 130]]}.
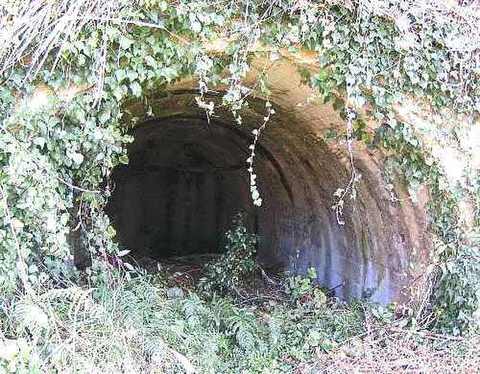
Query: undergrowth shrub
{"points": [[236, 265], [304, 289], [128, 324]]}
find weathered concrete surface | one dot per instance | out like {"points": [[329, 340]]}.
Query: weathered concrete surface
{"points": [[377, 253]]}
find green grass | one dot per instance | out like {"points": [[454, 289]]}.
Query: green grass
{"points": [[128, 324]]}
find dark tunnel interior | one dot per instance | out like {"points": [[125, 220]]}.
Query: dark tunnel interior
{"points": [[185, 181]]}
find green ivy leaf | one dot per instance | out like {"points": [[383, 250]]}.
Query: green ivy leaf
{"points": [[125, 43], [77, 158], [136, 89]]}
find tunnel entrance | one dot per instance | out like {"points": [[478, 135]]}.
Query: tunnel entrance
{"points": [[187, 178], [185, 181]]}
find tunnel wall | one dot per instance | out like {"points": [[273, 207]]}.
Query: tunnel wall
{"points": [[383, 244]]}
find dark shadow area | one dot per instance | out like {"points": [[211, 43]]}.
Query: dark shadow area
{"points": [[184, 182]]}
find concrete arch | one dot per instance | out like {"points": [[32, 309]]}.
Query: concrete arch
{"points": [[298, 172]]}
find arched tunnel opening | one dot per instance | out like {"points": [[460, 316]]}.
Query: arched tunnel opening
{"points": [[187, 178]]}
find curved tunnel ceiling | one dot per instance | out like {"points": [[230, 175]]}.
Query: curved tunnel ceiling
{"points": [[191, 176]]}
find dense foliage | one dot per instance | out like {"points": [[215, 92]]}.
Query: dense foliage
{"points": [[132, 326], [72, 65], [236, 265], [131, 322]]}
